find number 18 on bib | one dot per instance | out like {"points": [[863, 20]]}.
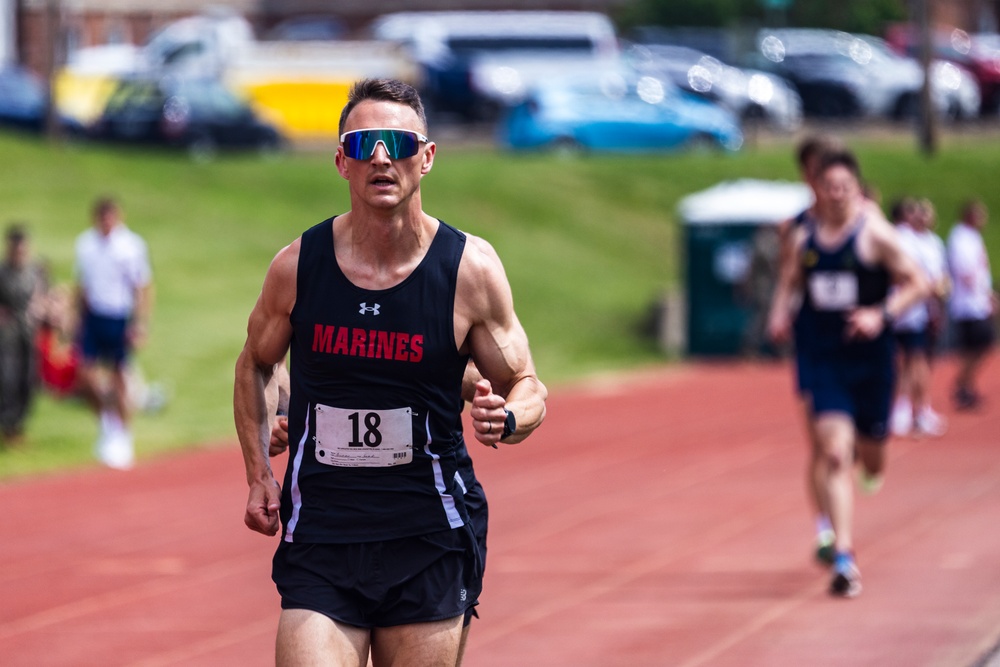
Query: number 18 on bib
{"points": [[364, 438]]}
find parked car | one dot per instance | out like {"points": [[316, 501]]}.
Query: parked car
{"points": [[24, 102], [309, 28], [725, 44], [475, 63], [842, 74], [954, 90], [617, 112], [977, 53], [200, 115], [750, 94]]}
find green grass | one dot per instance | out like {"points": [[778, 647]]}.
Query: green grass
{"points": [[589, 243]]}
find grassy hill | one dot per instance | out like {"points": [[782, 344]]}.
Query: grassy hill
{"points": [[588, 242]]}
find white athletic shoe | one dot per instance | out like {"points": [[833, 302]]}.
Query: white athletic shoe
{"points": [[901, 421], [115, 450], [930, 423]]}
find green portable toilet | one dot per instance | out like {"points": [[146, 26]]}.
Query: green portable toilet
{"points": [[719, 228]]}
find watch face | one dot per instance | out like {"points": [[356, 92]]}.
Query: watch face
{"points": [[509, 424]]}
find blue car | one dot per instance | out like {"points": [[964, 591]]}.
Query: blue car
{"points": [[23, 99], [24, 103], [618, 113]]}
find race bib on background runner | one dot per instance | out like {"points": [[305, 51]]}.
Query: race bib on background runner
{"points": [[364, 438], [833, 290]]}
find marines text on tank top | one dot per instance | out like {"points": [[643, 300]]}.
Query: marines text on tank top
{"points": [[375, 407]]}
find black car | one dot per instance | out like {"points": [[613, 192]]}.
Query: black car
{"points": [[200, 115], [845, 74]]}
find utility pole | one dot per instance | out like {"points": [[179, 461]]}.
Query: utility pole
{"points": [[53, 61], [927, 125]]}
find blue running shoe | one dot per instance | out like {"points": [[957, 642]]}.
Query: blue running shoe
{"points": [[846, 582]]}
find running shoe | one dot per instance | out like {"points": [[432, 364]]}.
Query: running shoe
{"points": [[930, 423], [966, 399], [846, 582], [824, 548], [116, 451], [901, 421], [869, 484]]}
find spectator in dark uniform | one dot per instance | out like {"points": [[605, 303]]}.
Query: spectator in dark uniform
{"points": [[22, 284]]}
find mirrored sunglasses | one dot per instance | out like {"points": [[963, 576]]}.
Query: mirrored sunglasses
{"points": [[360, 144]]}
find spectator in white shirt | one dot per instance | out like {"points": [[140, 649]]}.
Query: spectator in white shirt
{"points": [[114, 281], [916, 330], [973, 303]]}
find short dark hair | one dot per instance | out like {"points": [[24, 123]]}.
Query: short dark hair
{"points": [[814, 146], [383, 90], [104, 205], [901, 207], [970, 205], [16, 233], [843, 158]]}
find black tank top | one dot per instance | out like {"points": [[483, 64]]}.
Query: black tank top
{"points": [[374, 423], [836, 281]]}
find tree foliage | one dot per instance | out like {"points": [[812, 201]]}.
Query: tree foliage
{"points": [[868, 16]]}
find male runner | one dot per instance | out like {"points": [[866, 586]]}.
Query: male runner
{"points": [[381, 308], [844, 264], [808, 155]]}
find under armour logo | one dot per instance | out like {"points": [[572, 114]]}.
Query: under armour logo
{"points": [[365, 308]]}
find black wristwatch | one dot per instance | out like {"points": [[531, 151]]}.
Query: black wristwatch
{"points": [[509, 424]]}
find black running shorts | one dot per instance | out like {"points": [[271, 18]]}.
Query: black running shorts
{"points": [[974, 335], [381, 584]]}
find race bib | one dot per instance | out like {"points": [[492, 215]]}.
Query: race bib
{"points": [[363, 438], [833, 290]]}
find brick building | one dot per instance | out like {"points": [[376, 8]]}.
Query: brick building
{"points": [[95, 22], [26, 25]]}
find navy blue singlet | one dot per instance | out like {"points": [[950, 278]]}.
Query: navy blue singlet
{"points": [[836, 281], [374, 423], [804, 218]]}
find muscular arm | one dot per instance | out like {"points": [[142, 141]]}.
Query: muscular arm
{"points": [[786, 239], [469, 381], [268, 335], [779, 323], [911, 285], [139, 324], [277, 392], [499, 349]]}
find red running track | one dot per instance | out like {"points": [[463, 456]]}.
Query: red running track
{"points": [[654, 520]]}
